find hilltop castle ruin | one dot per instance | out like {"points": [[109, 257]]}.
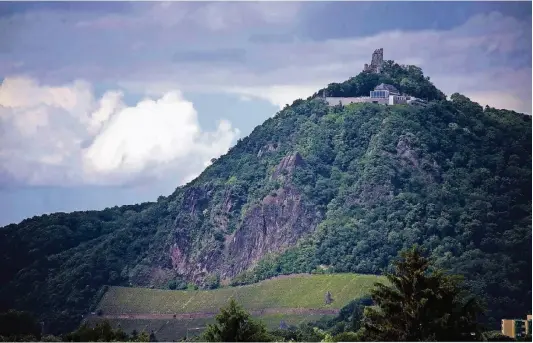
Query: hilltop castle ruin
{"points": [[376, 63]]}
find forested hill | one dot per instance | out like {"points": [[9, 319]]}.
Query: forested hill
{"points": [[313, 189], [408, 79]]}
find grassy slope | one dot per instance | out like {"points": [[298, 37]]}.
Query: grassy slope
{"points": [[301, 291]]}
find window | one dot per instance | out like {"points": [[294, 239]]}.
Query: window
{"points": [[379, 94]]}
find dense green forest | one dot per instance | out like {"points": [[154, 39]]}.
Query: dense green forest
{"points": [[452, 176], [468, 200]]}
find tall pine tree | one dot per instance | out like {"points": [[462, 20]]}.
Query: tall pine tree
{"points": [[234, 324], [420, 304]]}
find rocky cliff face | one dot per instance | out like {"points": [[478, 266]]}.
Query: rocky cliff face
{"points": [[271, 225], [287, 165]]}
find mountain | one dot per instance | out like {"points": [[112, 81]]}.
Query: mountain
{"points": [[313, 189]]}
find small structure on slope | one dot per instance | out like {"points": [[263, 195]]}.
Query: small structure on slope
{"points": [[329, 298]]}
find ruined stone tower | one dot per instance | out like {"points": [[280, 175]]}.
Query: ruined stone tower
{"points": [[376, 63]]}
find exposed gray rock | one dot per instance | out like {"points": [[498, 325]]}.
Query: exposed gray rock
{"points": [[271, 147], [287, 165], [271, 226], [405, 150], [277, 222]]}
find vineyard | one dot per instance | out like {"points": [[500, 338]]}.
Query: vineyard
{"points": [[296, 292], [173, 315]]}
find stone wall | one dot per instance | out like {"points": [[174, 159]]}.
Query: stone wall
{"points": [[397, 99], [334, 101]]}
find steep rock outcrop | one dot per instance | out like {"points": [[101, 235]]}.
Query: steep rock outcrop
{"points": [[409, 156], [287, 165], [269, 227], [271, 147], [273, 224]]}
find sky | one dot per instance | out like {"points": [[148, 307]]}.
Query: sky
{"points": [[112, 103]]}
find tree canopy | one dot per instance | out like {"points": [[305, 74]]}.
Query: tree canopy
{"points": [[407, 79], [234, 324], [421, 304]]}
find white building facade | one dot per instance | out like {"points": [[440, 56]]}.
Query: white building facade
{"points": [[383, 94]]}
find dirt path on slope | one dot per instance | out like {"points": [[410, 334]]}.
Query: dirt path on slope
{"points": [[197, 315]]}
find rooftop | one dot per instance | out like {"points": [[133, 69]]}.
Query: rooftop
{"points": [[386, 87]]}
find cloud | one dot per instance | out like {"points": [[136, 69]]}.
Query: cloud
{"points": [[154, 132], [211, 56], [497, 99], [147, 42], [488, 53], [211, 16], [277, 95], [503, 87], [63, 135], [266, 38]]}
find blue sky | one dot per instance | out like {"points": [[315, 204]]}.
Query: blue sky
{"points": [[105, 104]]}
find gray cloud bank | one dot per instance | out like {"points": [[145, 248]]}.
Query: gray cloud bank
{"points": [[56, 129]]}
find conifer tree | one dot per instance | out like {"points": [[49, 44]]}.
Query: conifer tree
{"points": [[420, 304], [234, 324]]}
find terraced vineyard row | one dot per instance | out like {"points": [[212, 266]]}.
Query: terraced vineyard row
{"points": [[299, 291]]}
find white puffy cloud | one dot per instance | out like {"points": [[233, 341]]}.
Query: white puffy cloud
{"points": [[63, 135], [21, 92], [108, 104]]}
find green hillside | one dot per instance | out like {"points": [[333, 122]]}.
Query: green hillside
{"points": [[407, 79], [301, 291], [313, 188]]}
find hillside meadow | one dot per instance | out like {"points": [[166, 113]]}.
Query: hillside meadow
{"points": [[293, 292]]}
